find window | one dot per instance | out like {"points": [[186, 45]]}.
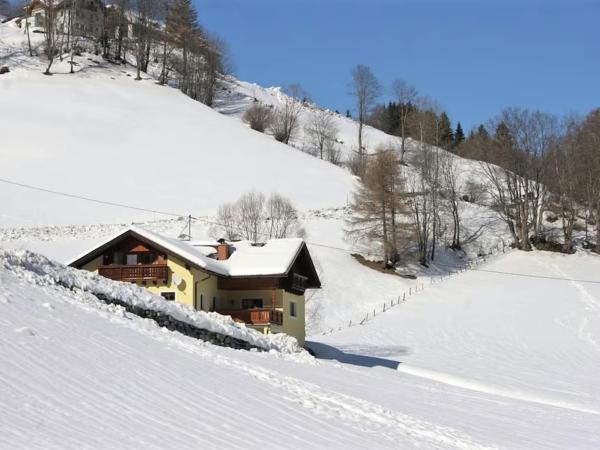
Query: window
{"points": [[168, 295], [292, 309], [146, 258], [248, 303], [131, 259], [117, 258]]}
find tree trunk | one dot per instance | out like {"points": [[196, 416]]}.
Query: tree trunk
{"points": [[360, 130], [163, 75], [598, 228], [403, 139], [567, 223], [28, 36], [146, 57]]}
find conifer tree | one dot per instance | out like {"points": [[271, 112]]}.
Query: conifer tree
{"points": [[459, 135], [483, 132], [446, 135]]}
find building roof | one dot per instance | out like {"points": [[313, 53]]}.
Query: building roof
{"points": [[273, 258]]}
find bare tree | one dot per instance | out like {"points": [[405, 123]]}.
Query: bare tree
{"points": [[406, 95], [255, 218], [164, 8], [282, 217], [259, 117], [226, 217], [50, 33], [420, 201], [427, 121], [378, 204], [334, 155], [121, 27], [144, 31], [366, 90], [322, 131], [250, 211], [450, 185], [27, 25], [285, 118], [517, 187], [588, 143]]}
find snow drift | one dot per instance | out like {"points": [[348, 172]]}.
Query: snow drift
{"points": [[41, 271]]}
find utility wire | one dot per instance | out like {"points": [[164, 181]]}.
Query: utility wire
{"points": [[543, 277], [345, 250], [89, 199]]}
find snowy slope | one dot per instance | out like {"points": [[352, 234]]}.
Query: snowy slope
{"points": [[237, 96], [82, 375], [481, 360], [100, 134], [535, 339]]}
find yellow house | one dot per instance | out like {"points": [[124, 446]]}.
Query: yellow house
{"points": [[261, 285]]}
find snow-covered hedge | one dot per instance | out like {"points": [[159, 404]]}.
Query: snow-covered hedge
{"points": [[42, 271]]}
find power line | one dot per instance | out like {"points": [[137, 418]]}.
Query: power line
{"points": [[544, 277], [89, 199], [316, 244], [355, 251]]}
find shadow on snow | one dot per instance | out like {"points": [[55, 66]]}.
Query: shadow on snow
{"points": [[324, 351]]}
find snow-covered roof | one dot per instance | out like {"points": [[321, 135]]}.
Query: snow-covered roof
{"points": [[174, 246], [275, 257]]}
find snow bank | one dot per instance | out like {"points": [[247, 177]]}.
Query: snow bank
{"points": [[39, 270]]}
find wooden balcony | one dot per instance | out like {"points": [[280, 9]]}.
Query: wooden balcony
{"points": [[137, 273], [255, 316], [297, 284]]}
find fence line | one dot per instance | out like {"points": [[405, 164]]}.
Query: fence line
{"points": [[401, 299]]}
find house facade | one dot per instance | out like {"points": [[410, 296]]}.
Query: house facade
{"points": [[77, 17], [261, 285]]}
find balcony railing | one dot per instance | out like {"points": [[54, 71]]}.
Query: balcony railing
{"points": [[298, 285], [255, 316], [141, 272]]}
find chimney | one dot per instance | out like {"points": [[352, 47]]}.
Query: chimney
{"points": [[222, 250]]}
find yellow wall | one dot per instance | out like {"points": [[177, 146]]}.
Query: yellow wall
{"points": [[206, 290], [184, 293], [197, 282], [294, 326], [233, 299]]}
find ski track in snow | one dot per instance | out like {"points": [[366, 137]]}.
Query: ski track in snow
{"points": [[488, 388], [365, 416]]}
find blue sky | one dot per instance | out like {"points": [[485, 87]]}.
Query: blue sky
{"points": [[473, 57]]}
